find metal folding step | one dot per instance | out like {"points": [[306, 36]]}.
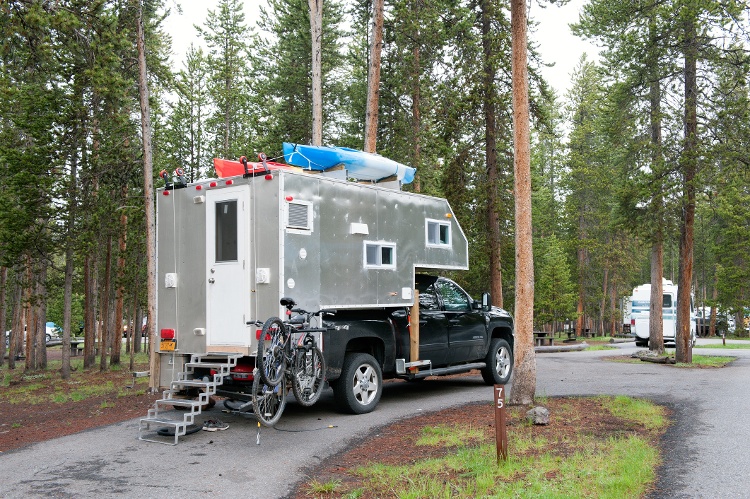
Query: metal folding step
{"points": [[221, 363]]}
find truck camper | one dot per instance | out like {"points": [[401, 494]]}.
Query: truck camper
{"points": [[267, 240]]}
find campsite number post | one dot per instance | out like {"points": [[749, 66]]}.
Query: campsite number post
{"points": [[501, 436]]}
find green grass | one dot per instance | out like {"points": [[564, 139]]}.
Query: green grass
{"points": [[636, 410], [708, 361], [728, 346], [43, 387], [326, 488], [581, 465], [601, 347]]}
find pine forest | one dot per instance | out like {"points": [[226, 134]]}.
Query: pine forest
{"points": [[641, 169]]}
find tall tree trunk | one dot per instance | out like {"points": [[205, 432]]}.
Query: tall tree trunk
{"points": [[3, 308], [40, 300], [316, 29], [373, 77], [524, 377], [581, 289], [106, 329], [683, 350], [602, 303], [69, 263], [16, 335], [416, 102], [490, 137], [655, 316], [714, 297], [148, 193], [117, 344]]}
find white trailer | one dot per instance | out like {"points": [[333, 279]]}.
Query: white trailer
{"points": [[639, 313]]}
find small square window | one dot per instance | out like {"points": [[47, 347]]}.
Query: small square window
{"points": [[438, 233], [380, 255]]}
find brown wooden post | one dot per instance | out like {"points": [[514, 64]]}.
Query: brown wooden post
{"points": [[501, 435], [414, 331]]}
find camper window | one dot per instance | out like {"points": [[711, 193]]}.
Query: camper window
{"points": [[667, 301], [226, 231], [438, 233], [380, 255]]}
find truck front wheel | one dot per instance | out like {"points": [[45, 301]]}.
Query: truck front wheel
{"points": [[499, 362], [358, 389]]}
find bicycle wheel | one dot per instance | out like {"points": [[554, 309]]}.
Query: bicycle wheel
{"points": [[308, 375], [268, 401], [270, 358]]}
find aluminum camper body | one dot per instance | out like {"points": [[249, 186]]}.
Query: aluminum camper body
{"points": [[228, 249]]}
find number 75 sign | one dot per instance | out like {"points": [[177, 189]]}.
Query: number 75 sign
{"points": [[501, 436]]}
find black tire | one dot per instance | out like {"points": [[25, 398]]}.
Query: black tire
{"points": [[49, 338], [641, 343], [268, 401], [270, 358], [499, 362], [308, 375], [358, 389]]}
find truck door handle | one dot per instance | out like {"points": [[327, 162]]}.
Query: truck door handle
{"points": [[211, 280]]}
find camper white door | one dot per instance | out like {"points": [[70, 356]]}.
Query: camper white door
{"points": [[227, 277]]}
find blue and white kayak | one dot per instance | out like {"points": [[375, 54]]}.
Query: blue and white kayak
{"points": [[359, 164]]}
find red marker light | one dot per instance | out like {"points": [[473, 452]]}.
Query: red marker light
{"points": [[229, 182], [269, 177], [167, 334], [212, 184], [165, 193], [289, 198], [198, 187]]}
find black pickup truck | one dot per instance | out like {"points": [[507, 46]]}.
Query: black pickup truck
{"points": [[456, 334]]}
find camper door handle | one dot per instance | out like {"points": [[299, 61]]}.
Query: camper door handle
{"points": [[211, 280]]}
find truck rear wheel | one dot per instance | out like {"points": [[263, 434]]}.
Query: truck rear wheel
{"points": [[358, 389], [499, 362]]}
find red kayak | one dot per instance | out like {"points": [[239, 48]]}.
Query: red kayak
{"points": [[228, 168]]}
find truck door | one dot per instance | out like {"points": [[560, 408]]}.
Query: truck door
{"points": [[433, 327], [467, 332], [227, 287]]}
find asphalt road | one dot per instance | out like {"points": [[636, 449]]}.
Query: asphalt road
{"points": [[706, 450]]}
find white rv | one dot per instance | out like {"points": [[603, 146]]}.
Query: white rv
{"points": [[639, 306]]}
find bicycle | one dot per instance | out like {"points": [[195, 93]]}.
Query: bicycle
{"points": [[279, 361]]}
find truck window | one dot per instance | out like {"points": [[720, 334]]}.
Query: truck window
{"points": [[454, 298], [428, 299], [226, 231]]}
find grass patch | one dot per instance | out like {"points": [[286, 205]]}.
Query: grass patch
{"points": [[47, 386], [601, 347], [572, 457], [728, 346], [639, 411], [708, 361], [323, 488]]}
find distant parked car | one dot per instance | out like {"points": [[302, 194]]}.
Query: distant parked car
{"points": [[53, 332]]}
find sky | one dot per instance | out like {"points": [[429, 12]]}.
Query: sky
{"points": [[556, 43]]}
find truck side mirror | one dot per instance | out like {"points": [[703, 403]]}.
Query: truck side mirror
{"points": [[486, 302]]}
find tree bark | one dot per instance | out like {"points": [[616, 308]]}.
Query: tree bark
{"points": [[683, 350], [106, 329], [3, 296], [148, 194], [493, 175], [120, 292], [316, 29], [373, 78], [524, 377], [655, 316]]}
